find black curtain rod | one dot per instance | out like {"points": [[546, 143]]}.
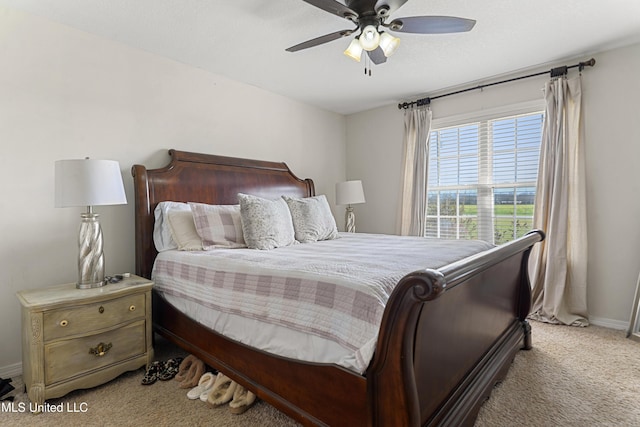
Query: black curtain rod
{"points": [[554, 72]]}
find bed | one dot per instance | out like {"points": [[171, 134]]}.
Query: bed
{"points": [[446, 335]]}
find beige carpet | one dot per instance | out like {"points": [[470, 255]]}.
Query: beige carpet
{"points": [[572, 377]]}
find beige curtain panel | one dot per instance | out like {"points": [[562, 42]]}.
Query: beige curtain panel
{"points": [[417, 127], [558, 266]]}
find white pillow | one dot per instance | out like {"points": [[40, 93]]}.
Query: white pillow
{"points": [[219, 226], [266, 224], [183, 230], [162, 237], [312, 218]]}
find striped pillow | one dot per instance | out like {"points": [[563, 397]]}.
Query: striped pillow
{"points": [[219, 226]]}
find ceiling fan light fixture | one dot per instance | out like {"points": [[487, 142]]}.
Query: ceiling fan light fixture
{"points": [[388, 43], [370, 38], [354, 51]]}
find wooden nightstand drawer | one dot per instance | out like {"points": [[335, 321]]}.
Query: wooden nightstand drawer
{"points": [[87, 318], [67, 358]]}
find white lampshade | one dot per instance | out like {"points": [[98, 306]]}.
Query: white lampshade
{"points": [[388, 43], [349, 193], [88, 182], [370, 38], [354, 51]]}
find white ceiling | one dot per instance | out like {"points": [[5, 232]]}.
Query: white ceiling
{"points": [[245, 40]]}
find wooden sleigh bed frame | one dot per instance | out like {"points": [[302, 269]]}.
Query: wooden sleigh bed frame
{"points": [[447, 335]]}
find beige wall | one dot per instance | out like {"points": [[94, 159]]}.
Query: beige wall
{"points": [[611, 91], [67, 94]]}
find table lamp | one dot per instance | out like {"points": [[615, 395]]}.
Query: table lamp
{"points": [[88, 182], [349, 193]]}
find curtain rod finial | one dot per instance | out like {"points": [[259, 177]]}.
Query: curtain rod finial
{"points": [[589, 63]]}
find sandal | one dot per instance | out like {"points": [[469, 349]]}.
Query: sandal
{"points": [[170, 370], [151, 375], [222, 390], [205, 383], [190, 372], [183, 369], [243, 399]]}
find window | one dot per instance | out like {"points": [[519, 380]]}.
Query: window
{"points": [[482, 177]]}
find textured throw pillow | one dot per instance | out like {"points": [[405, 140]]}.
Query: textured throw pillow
{"points": [[266, 224], [162, 235], [312, 218], [183, 230], [219, 226]]}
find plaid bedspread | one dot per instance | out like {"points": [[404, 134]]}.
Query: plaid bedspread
{"points": [[336, 289]]}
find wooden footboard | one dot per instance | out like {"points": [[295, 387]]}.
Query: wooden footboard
{"points": [[449, 335], [446, 337]]}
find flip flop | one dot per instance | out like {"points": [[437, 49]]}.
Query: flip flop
{"points": [[205, 383], [222, 391], [243, 399], [152, 373], [170, 370], [190, 372], [183, 369]]}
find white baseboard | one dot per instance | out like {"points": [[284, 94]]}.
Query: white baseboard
{"points": [[11, 371], [609, 323]]}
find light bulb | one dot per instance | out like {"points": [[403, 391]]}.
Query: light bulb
{"points": [[354, 51], [369, 39], [388, 43]]}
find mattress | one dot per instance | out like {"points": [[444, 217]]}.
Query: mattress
{"points": [[318, 302]]}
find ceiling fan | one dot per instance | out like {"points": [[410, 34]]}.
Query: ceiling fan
{"points": [[369, 16]]}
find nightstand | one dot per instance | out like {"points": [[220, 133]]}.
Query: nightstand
{"points": [[81, 338]]}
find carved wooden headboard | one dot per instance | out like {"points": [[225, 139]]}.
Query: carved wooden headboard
{"points": [[204, 178]]}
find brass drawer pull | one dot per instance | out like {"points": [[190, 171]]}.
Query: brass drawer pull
{"points": [[64, 323], [100, 350], [101, 309], [132, 308]]}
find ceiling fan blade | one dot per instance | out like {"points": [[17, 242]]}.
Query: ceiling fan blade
{"points": [[377, 56], [332, 6], [390, 6], [320, 40], [431, 24]]}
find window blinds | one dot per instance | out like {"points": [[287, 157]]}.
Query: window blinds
{"points": [[482, 178]]}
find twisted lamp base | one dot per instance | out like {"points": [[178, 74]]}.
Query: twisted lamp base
{"points": [[350, 220], [90, 256]]}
